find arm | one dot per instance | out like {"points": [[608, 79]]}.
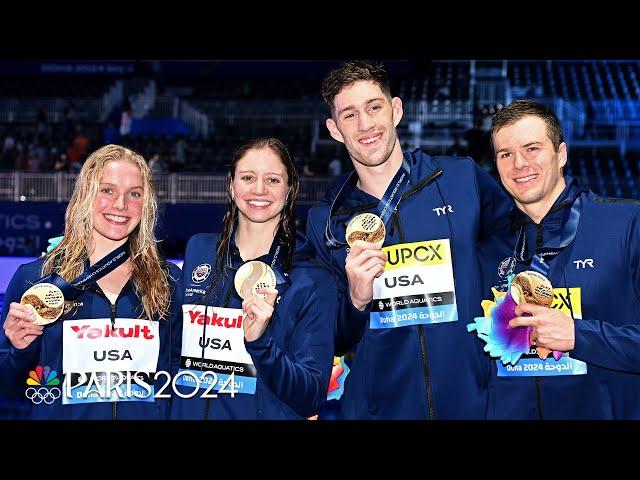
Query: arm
{"points": [[15, 360], [350, 322], [614, 346], [300, 376], [495, 205]]}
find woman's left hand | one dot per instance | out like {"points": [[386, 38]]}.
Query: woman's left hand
{"points": [[258, 313]]}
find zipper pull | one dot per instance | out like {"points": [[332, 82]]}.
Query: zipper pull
{"points": [[113, 315]]}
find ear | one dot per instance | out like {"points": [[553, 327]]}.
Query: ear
{"points": [[333, 130], [396, 105], [233, 195], [562, 155]]}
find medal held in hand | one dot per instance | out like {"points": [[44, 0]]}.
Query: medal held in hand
{"points": [[252, 276], [46, 301], [366, 226], [506, 342]]}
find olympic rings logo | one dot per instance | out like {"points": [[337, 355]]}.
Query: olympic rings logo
{"points": [[42, 394]]}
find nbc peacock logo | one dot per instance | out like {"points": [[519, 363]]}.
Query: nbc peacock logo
{"points": [[42, 385]]}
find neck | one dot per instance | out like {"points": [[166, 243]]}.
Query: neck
{"points": [[102, 246], [255, 239], [375, 180], [537, 211]]}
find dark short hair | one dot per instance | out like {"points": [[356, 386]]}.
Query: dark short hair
{"points": [[351, 72], [525, 108]]}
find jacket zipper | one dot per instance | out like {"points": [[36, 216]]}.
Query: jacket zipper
{"points": [[96, 288], [225, 303], [539, 239], [114, 405], [426, 371]]}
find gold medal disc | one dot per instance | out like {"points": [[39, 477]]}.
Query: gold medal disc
{"points": [[366, 226], [46, 300], [252, 276]]}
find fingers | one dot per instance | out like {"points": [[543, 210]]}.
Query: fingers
{"points": [[246, 307], [270, 293], [27, 328], [360, 245], [366, 265], [523, 322], [18, 311], [23, 333], [531, 308], [361, 255]]}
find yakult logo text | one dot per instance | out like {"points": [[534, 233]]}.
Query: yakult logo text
{"points": [[226, 322], [85, 331]]}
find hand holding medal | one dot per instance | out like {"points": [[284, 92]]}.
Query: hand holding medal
{"points": [[507, 342], [20, 327], [255, 282], [365, 261]]}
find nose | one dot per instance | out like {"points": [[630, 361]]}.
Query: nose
{"points": [[519, 161], [365, 122], [259, 187], [120, 202]]}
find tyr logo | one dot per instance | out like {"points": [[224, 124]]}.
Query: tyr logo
{"points": [[583, 263], [443, 210]]}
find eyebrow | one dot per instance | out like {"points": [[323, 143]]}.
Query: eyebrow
{"points": [[115, 185], [525, 145], [266, 173], [351, 107]]}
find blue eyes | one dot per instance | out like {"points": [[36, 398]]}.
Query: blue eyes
{"points": [[109, 191]]}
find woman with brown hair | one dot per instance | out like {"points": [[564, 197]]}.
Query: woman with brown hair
{"points": [[259, 312]]}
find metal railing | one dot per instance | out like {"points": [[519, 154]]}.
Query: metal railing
{"points": [[25, 110], [171, 188]]}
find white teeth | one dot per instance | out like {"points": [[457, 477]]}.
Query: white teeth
{"points": [[525, 179], [117, 219], [259, 203], [372, 139]]}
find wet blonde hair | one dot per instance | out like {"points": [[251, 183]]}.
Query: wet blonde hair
{"points": [[150, 276]]}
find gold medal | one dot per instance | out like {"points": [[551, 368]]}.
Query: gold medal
{"points": [[366, 226], [532, 287], [252, 276], [46, 301]]}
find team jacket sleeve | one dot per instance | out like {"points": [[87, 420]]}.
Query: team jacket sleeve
{"points": [[495, 205], [601, 343], [15, 363], [300, 376], [350, 322], [176, 324]]}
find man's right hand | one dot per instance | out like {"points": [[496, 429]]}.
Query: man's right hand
{"points": [[19, 327], [364, 263]]}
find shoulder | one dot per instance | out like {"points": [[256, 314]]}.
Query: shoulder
{"points": [[318, 214], [428, 162], [201, 242], [311, 275], [611, 208], [174, 271], [30, 270]]}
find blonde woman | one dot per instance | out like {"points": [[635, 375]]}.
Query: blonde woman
{"points": [[121, 304]]}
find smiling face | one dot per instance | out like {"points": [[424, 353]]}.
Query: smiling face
{"points": [[365, 120], [117, 207], [530, 168], [259, 187]]}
